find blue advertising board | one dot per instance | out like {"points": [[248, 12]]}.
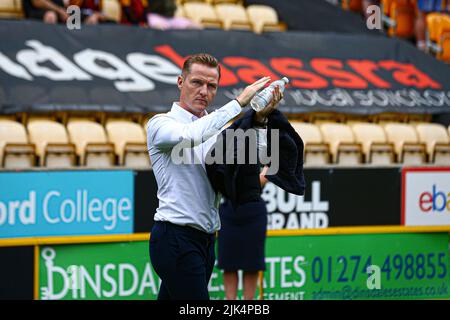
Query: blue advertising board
{"points": [[58, 203]]}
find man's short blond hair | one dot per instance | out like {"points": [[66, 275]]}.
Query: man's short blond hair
{"points": [[200, 58]]}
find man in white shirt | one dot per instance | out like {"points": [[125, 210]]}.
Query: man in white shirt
{"points": [[182, 238]]}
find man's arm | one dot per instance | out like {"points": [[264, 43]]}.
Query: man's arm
{"points": [[49, 5], [165, 132]]}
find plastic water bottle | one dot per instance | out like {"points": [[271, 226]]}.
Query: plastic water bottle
{"points": [[262, 99]]}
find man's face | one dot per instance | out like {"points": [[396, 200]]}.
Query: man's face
{"points": [[198, 88]]}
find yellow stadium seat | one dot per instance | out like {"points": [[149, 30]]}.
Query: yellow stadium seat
{"points": [[52, 143], [203, 14], [435, 137], [11, 9], [180, 11], [316, 151], [343, 147], [264, 19], [443, 43], [129, 141], [15, 149], [373, 140], [407, 146], [91, 143], [233, 16], [112, 9], [433, 21]]}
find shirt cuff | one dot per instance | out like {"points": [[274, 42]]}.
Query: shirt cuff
{"points": [[232, 108]]}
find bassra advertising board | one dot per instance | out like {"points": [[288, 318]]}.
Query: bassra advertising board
{"points": [[426, 197], [66, 203], [376, 266]]}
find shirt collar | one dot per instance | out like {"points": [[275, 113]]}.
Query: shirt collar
{"points": [[183, 113]]}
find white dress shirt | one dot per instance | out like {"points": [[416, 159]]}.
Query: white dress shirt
{"points": [[185, 194]]}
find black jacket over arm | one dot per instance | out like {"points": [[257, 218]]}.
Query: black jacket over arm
{"points": [[240, 182]]}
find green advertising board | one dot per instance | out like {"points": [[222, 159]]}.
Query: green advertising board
{"points": [[360, 266]]}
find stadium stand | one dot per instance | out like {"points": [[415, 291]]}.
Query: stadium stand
{"points": [[387, 117], [264, 19], [112, 10], [233, 16], [375, 146], [15, 149], [325, 117], [437, 141], [344, 149], [129, 142], [316, 151], [91, 143], [11, 9], [407, 146], [52, 143], [203, 14]]}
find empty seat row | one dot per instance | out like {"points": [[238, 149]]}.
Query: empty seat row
{"points": [[373, 143], [257, 18], [84, 142], [381, 118], [49, 143]]}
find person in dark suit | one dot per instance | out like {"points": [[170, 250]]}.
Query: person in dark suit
{"points": [[241, 244], [243, 215]]}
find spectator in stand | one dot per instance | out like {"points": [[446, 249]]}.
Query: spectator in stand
{"points": [[90, 11], [48, 11], [162, 16], [424, 7], [134, 12]]}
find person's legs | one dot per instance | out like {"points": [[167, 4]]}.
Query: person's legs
{"points": [[250, 284], [211, 257], [179, 257], [230, 282], [163, 294]]}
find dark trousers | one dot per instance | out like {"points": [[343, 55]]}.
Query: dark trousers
{"points": [[183, 258]]}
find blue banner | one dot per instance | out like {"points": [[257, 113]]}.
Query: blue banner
{"points": [[66, 203]]}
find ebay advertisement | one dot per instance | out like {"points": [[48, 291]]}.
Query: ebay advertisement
{"points": [[65, 203], [426, 197]]}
